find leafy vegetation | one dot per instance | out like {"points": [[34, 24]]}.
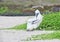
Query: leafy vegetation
{"points": [[6, 10], [50, 22], [54, 35], [3, 10]]}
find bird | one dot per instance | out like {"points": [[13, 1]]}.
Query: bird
{"points": [[34, 22]]}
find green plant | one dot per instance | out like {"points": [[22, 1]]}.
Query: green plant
{"points": [[50, 22], [54, 35], [3, 10]]}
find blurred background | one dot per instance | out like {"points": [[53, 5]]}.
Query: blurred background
{"points": [[27, 7]]}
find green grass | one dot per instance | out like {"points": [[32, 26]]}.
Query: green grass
{"points": [[3, 10], [20, 27], [54, 35], [50, 22]]}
